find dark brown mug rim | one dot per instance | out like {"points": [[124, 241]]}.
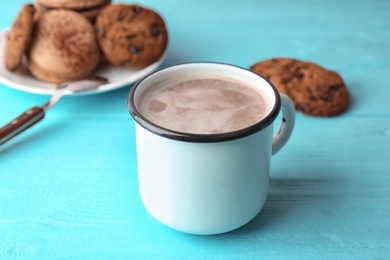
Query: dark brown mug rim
{"points": [[202, 138]]}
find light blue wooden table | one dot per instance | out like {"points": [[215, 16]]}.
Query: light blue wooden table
{"points": [[68, 187]]}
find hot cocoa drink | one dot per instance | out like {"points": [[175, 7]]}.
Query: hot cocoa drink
{"points": [[202, 103]]}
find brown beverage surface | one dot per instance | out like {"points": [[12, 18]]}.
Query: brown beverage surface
{"points": [[202, 104]]}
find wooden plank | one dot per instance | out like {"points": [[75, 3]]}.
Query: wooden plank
{"points": [[69, 186]]}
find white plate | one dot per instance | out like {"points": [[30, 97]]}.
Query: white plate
{"points": [[23, 80]]}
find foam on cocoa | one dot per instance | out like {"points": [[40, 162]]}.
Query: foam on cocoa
{"points": [[202, 104]]}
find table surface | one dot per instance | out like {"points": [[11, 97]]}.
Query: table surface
{"points": [[68, 186]]}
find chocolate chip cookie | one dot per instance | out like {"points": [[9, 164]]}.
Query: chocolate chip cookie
{"points": [[19, 37], [131, 36], [313, 89]]}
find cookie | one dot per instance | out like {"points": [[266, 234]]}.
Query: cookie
{"points": [[73, 4], [131, 36], [88, 8], [64, 47], [19, 37], [313, 89]]}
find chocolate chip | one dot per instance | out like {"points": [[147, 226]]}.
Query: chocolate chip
{"points": [[131, 37], [327, 99], [137, 9], [286, 80], [299, 75], [312, 95], [134, 49], [155, 30], [334, 87], [299, 107]]}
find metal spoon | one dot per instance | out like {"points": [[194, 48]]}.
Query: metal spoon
{"points": [[37, 113]]}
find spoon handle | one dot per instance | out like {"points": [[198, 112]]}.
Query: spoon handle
{"points": [[21, 123]]}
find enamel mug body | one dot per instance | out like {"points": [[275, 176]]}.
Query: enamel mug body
{"points": [[208, 184]]}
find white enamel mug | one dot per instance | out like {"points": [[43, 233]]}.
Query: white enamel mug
{"points": [[208, 183]]}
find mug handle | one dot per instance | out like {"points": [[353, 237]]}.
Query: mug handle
{"points": [[287, 125]]}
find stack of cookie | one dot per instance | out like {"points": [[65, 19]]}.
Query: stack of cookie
{"points": [[64, 40]]}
